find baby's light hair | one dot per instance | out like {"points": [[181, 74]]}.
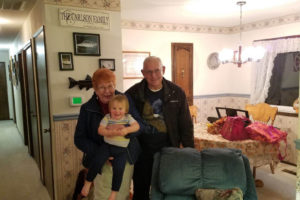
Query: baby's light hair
{"points": [[121, 99]]}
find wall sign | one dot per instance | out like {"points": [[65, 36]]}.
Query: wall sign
{"points": [[69, 17]]}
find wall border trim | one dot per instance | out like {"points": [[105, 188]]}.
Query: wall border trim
{"points": [[65, 117], [194, 28]]}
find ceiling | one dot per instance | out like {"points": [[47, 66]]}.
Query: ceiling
{"points": [[12, 16], [223, 13]]}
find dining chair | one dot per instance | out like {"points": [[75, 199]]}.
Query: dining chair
{"points": [[262, 112], [193, 112]]}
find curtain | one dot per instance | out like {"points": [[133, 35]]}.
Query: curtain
{"points": [[262, 70]]}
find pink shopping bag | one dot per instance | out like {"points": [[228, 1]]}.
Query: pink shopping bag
{"points": [[266, 133], [234, 128]]}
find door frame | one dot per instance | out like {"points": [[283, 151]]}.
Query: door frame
{"points": [[25, 97], [42, 30]]}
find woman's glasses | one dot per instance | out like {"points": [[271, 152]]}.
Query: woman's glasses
{"points": [[104, 88]]}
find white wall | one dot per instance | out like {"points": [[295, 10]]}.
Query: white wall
{"points": [[60, 39], [228, 78], [206, 81], [4, 57]]}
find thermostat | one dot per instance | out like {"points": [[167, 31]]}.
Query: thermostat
{"points": [[75, 101]]}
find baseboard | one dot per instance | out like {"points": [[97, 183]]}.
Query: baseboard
{"points": [[288, 163], [290, 172]]}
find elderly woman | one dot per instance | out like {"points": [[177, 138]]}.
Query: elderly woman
{"points": [[88, 140]]}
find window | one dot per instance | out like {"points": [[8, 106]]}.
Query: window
{"points": [[284, 83]]}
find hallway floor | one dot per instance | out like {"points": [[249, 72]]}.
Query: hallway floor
{"points": [[20, 177]]}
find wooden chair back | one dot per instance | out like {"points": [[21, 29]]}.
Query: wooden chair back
{"points": [[193, 112], [262, 112], [231, 112]]}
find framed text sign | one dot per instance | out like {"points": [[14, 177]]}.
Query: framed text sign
{"points": [[78, 18]]}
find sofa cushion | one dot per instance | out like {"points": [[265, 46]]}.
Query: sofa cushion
{"points": [[180, 171], [223, 169]]}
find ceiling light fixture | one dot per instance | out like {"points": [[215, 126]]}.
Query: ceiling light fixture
{"points": [[4, 21], [238, 56]]}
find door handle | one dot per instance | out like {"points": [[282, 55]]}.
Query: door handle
{"points": [[46, 130], [32, 114]]}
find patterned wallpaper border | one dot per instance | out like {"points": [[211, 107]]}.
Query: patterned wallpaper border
{"points": [[156, 26], [112, 5]]}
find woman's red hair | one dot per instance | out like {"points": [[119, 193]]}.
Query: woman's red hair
{"points": [[103, 75]]}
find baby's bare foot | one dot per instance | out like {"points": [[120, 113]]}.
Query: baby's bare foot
{"points": [[86, 188], [113, 195]]}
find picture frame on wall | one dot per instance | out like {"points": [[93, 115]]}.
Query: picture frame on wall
{"points": [[107, 63], [65, 61], [86, 44], [17, 69], [133, 63], [13, 70]]}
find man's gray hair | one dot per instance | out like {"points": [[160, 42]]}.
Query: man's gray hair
{"points": [[151, 59]]}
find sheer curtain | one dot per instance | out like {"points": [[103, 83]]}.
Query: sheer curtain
{"points": [[262, 71]]}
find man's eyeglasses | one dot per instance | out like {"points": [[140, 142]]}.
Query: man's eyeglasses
{"points": [[149, 72]]}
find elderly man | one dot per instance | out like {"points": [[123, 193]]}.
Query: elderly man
{"points": [[163, 105]]}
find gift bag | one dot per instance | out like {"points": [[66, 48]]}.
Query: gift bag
{"points": [[267, 133], [234, 128], [215, 128]]}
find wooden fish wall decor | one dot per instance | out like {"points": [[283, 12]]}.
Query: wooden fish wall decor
{"points": [[86, 83]]}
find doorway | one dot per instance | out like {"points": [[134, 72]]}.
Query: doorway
{"points": [[4, 111], [34, 138], [182, 68]]}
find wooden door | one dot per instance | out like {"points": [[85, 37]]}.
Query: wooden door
{"points": [[21, 66], [182, 68], [4, 111], [44, 115], [34, 137], [27, 61]]}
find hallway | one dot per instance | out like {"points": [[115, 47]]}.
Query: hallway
{"points": [[20, 178]]}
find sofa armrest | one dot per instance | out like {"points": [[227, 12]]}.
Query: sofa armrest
{"points": [[155, 191]]}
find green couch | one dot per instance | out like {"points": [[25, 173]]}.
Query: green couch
{"points": [[178, 173]]}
